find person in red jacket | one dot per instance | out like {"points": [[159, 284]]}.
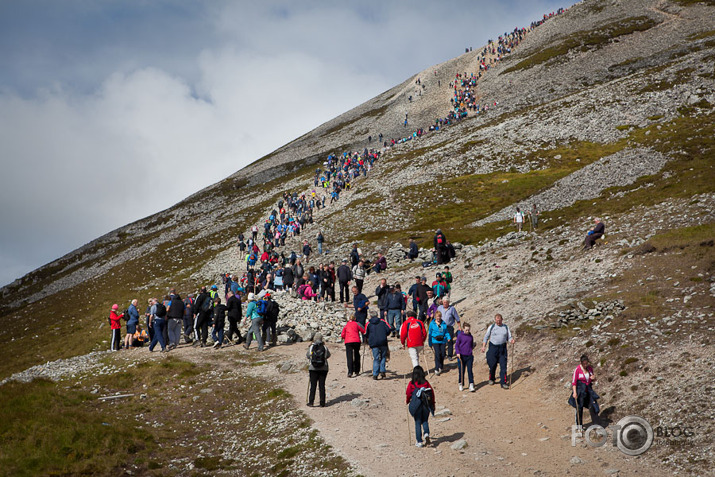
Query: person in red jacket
{"points": [[412, 335], [420, 412], [116, 326], [351, 335]]}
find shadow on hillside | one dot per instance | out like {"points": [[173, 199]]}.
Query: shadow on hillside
{"points": [[343, 398], [516, 377], [604, 419], [451, 438]]}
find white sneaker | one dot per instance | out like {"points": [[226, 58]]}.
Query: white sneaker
{"points": [[461, 388], [419, 444], [471, 387]]}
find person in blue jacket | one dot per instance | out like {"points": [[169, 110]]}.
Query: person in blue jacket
{"points": [[438, 337]]}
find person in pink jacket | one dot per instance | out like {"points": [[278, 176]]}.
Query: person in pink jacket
{"points": [[351, 335]]}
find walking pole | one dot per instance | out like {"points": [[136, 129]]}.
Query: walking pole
{"points": [[513, 345]]}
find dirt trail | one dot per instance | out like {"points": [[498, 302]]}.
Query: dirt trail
{"points": [[515, 431]]}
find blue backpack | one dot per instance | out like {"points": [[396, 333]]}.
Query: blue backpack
{"points": [[261, 307]]}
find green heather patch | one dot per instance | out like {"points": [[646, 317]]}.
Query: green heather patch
{"points": [[587, 40], [50, 429], [701, 35]]}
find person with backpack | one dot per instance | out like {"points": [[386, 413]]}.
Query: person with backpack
{"points": [[377, 331], [203, 317], [395, 308], [354, 255], [518, 219], [317, 355], [234, 311], [115, 324], [440, 246], [497, 335], [158, 323], [175, 317], [421, 402], [465, 358], [351, 335], [438, 336], [439, 286], [132, 323], [256, 323], [270, 319], [412, 337]]}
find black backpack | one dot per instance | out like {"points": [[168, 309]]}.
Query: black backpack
{"points": [[160, 310], [206, 304], [420, 397], [317, 355]]}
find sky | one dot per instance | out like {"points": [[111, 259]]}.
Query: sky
{"points": [[111, 111]]}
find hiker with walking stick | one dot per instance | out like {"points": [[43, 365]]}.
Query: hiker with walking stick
{"points": [[438, 336], [497, 335], [318, 355], [412, 336], [463, 349]]}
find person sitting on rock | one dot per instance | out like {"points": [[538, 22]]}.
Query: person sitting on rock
{"points": [[594, 234], [380, 263], [414, 251]]}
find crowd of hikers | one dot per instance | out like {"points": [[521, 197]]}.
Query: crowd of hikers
{"points": [[422, 315]]}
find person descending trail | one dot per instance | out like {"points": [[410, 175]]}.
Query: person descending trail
{"points": [[437, 339], [583, 395], [377, 331], [421, 403], [465, 359], [412, 336], [317, 355], [497, 335], [352, 336]]}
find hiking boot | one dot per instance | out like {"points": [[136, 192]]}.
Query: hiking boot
{"points": [[427, 439], [471, 387], [350, 375], [245, 346], [419, 444], [505, 386], [461, 388], [374, 376], [491, 381]]}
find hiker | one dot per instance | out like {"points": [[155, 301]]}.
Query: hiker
{"points": [[175, 317], [327, 284], [359, 273], [414, 251], [189, 318], [396, 306], [432, 310], [451, 318], [439, 286], [219, 312], [440, 246], [534, 216], [270, 320], [147, 317], [320, 240], [447, 277], [518, 219], [595, 233], [132, 323], [422, 297], [158, 323], [359, 305], [438, 336], [288, 277], [354, 255], [317, 355], [412, 336], [497, 335], [583, 395], [412, 292], [233, 306], [380, 263], [465, 358], [377, 331], [381, 293], [344, 275], [351, 335], [421, 402], [115, 323], [306, 251], [202, 308], [256, 323]]}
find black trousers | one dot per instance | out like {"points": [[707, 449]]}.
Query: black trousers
{"points": [[269, 325], [496, 354], [358, 284], [188, 328], [352, 350], [233, 328], [202, 324], [317, 380], [344, 291]]}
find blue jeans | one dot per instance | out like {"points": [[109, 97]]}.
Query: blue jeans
{"points": [[320, 248], [465, 363], [158, 325], [379, 354], [421, 422], [217, 335], [394, 319]]}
